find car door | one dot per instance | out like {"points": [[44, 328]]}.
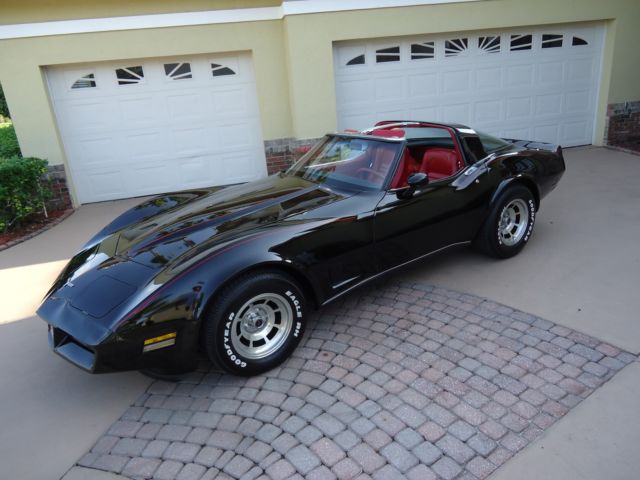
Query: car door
{"points": [[441, 213]]}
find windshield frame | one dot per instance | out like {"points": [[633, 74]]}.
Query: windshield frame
{"points": [[296, 168]]}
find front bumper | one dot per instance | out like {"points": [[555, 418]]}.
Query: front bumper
{"points": [[78, 338]]}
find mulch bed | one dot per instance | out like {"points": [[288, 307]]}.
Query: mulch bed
{"points": [[38, 225]]}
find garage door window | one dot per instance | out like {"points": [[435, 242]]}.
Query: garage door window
{"points": [[130, 75], [178, 71], [86, 81], [489, 44], [550, 40], [521, 42], [579, 41], [455, 47], [359, 60], [420, 51], [391, 54], [221, 70]]}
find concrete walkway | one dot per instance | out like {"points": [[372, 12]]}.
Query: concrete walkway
{"points": [[50, 411], [598, 440]]}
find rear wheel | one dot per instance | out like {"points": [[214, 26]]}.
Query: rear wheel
{"points": [[508, 227], [255, 323]]}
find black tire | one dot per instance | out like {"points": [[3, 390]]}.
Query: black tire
{"points": [[501, 239], [250, 310]]}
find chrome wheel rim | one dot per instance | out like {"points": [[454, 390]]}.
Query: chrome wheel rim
{"points": [[261, 326], [514, 221]]}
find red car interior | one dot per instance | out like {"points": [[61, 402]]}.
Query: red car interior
{"points": [[408, 165], [439, 163]]}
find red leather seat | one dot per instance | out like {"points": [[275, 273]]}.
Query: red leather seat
{"points": [[439, 163], [407, 166]]}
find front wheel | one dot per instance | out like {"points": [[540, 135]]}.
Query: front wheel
{"points": [[508, 227], [255, 323]]}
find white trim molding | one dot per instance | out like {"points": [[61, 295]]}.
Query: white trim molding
{"points": [[210, 17]]}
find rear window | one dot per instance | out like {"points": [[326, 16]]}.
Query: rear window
{"points": [[490, 143]]}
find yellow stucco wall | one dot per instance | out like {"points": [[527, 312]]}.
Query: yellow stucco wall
{"points": [[27, 11], [293, 57], [311, 37]]}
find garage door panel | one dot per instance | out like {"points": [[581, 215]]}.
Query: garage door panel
{"points": [[580, 70], [186, 107], [575, 131], [390, 88], [456, 82], [529, 92], [423, 85], [519, 76], [234, 136], [193, 170], [578, 102], [550, 73], [549, 131], [427, 112], [550, 104], [96, 151], [144, 145], [190, 141], [518, 108], [86, 117], [148, 178], [489, 78], [234, 168], [159, 132], [101, 184], [231, 101], [456, 113], [356, 91], [488, 112]]}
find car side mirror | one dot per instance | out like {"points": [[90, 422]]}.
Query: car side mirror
{"points": [[414, 181]]}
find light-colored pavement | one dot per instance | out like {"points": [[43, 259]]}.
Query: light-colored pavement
{"points": [[575, 448], [581, 268], [81, 473], [50, 411]]}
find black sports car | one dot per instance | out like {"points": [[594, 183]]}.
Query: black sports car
{"points": [[235, 270]]}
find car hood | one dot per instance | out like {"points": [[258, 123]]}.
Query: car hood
{"points": [[219, 215], [120, 265]]}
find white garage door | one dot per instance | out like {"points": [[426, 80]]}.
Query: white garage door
{"points": [[532, 83], [140, 127]]}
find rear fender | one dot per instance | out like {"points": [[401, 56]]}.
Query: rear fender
{"points": [[517, 180]]}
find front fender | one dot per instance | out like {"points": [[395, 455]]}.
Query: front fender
{"points": [[183, 296]]}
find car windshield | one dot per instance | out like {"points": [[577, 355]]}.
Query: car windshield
{"points": [[348, 162], [490, 143]]}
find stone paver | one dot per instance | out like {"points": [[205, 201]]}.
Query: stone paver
{"points": [[403, 381]]}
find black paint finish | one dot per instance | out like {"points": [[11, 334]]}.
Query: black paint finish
{"points": [[156, 268]]}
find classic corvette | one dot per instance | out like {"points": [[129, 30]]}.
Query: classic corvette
{"points": [[235, 271]]}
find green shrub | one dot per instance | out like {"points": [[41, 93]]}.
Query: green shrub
{"points": [[4, 108], [8, 142], [22, 192]]}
